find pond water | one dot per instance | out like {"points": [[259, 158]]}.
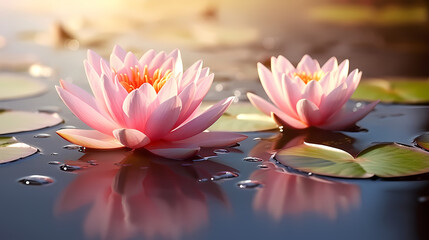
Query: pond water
{"points": [[66, 192]]}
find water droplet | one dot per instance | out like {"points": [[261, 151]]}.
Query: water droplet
{"points": [[423, 199], [200, 159], [281, 128], [224, 175], [71, 147], [237, 93], [36, 180], [54, 153], [203, 180], [219, 87], [68, 127], [262, 166], [252, 159], [358, 106], [42, 135], [310, 174], [54, 163], [247, 184], [257, 139], [82, 149], [69, 168], [221, 151]]}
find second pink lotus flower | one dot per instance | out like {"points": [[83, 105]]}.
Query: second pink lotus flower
{"points": [[309, 95], [146, 103]]}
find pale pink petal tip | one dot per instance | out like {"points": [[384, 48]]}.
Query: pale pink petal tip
{"points": [[89, 138], [285, 121], [201, 122], [261, 104], [268, 109]]}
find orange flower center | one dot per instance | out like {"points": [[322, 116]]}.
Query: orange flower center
{"points": [[137, 78], [307, 77]]}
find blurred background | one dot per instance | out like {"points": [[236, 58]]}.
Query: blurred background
{"points": [[383, 38]]}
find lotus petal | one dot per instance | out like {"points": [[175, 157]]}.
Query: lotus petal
{"points": [[346, 119], [131, 138], [201, 122], [268, 108], [89, 138]]}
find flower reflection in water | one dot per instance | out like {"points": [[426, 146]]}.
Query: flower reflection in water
{"points": [[144, 195], [286, 193], [291, 194]]}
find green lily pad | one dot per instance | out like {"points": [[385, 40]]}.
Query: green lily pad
{"points": [[242, 117], [11, 149], [383, 160], [17, 86], [423, 141], [393, 91], [21, 121]]}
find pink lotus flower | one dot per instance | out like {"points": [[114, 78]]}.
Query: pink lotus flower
{"points": [[309, 95], [147, 103]]}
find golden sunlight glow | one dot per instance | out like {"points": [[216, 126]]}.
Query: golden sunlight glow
{"points": [[157, 80], [307, 77]]}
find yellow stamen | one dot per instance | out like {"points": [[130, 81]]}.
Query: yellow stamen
{"points": [[137, 78], [307, 77]]}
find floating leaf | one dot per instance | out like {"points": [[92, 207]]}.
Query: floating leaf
{"points": [[394, 160], [11, 149], [21, 121], [243, 117], [393, 91], [16, 86], [383, 160], [423, 141], [322, 160]]}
